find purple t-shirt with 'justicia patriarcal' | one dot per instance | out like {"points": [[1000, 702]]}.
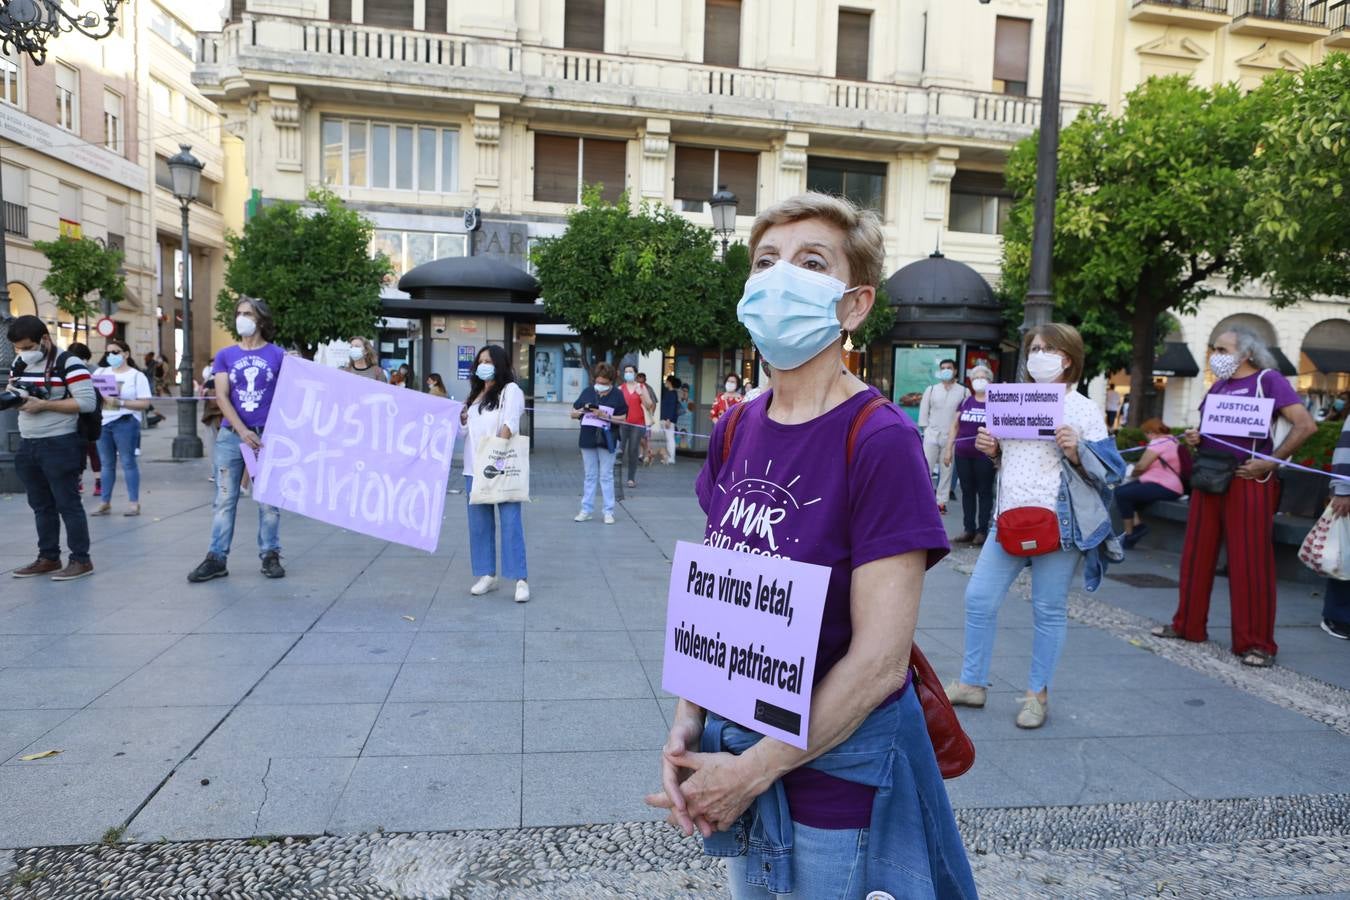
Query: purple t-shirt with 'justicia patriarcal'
{"points": [[829, 514]]}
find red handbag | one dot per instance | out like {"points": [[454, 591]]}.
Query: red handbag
{"points": [[953, 748], [1028, 531]]}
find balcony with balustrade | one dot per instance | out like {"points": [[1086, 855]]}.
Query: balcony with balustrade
{"points": [[367, 62], [1338, 20], [1207, 15], [1304, 21]]}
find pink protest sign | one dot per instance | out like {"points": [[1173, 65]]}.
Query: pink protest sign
{"points": [[594, 421], [1027, 412], [357, 453], [106, 384], [741, 637], [1229, 416]]}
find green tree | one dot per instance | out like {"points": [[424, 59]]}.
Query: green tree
{"points": [[1299, 184], [1150, 205], [629, 281], [879, 321], [80, 267], [313, 267]]}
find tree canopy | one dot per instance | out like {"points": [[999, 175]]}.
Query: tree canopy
{"points": [[80, 267], [312, 266], [639, 281]]}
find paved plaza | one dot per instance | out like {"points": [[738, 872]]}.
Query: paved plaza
{"points": [[413, 740]]}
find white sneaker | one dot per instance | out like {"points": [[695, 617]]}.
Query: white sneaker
{"points": [[582, 517], [522, 591], [483, 585], [609, 518]]}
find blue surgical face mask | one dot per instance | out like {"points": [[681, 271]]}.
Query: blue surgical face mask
{"points": [[115, 360], [630, 377], [790, 313], [1338, 404], [602, 389], [485, 371], [946, 374]]}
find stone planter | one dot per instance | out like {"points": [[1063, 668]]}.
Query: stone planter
{"points": [[1303, 493]]}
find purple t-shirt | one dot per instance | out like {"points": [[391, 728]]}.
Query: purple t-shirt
{"points": [[253, 380], [1273, 384], [882, 506], [969, 418]]}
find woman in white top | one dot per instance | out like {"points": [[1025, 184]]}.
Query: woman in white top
{"points": [[494, 407], [121, 434], [1029, 479]]}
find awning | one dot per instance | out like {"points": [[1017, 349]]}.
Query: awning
{"points": [[1282, 362], [1327, 360], [1175, 360]]}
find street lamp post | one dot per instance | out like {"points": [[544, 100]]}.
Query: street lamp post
{"points": [[723, 205], [25, 27], [1039, 306], [186, 171]]}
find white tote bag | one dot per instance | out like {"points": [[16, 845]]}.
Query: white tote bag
{"points": [[501, 468], [1326, 549]]}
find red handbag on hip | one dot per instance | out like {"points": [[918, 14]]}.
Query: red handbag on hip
{"points": [[1028, 531]]}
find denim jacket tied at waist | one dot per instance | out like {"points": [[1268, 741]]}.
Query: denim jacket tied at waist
{"points": [[1084, 507]]}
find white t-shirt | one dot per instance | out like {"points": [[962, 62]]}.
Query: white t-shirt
{"points": [[487, 422], [1029, 470], [131, 385]]}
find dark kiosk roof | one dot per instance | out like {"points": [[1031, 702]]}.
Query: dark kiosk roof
{"points": [[940, 299], [471, 284], [1176, 360]]}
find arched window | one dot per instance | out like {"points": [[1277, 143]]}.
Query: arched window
{"points": [[21, 300]]}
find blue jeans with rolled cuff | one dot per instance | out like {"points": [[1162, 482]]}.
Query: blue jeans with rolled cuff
{"points": [[483, 537]]}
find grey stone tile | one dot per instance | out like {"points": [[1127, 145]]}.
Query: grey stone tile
{"points": [[586, 681], [574, 725], [151, 620], [450, 682], [1083, 771], [572, 613], [325, 684], [986, 786], [14, 648], [84, 650], [361, 648], [443, 729], [366, 613], [578, 646], [589, 788], [1218, 766], [652, 668], [20, 727], [466, 647], [57, 688], [419, 793], [69, 804], [650, 644], [244, 797], [227, 650], [260, 616], [162, 735], [295, 730], [156, 685], [474, 614]]}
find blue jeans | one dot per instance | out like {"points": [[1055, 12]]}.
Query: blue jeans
{"points": [[827, 863], [1133, 494], [121, 437], [599, 463], [229, 473], [483, 537], [49, 469], [994, 574]]}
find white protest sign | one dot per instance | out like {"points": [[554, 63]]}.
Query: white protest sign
{"points": [[1228, 416], [741, 637]]}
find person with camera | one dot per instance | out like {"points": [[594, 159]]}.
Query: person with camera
{"points": [[50, 390]]}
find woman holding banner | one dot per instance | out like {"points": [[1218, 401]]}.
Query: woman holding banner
{"points": [[1237, 508], [493, 409], [826, 462], [121, 432], [1035, 524]]}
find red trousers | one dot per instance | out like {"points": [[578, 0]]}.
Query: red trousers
{"points": [[1243, 519]]}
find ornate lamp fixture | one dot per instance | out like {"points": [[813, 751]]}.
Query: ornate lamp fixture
{"points": [[27, 25]]}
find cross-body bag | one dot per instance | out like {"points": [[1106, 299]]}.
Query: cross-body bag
{"points": [[953, 748]]}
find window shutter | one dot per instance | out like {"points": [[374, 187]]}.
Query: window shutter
{"points": [[555, 168], [693, 173], [739, 171], [584, 25], [722, 33], [390, 14], [855, 39], [436, 19], [236, 10], [603, 162], [339, 10], [1012, 49]]}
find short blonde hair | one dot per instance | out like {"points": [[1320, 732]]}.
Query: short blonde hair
{"points": [[1061, 337], [864, 243]]}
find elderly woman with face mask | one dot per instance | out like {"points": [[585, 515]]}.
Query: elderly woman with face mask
{"points": [[1238, 510], [974, 470], [829, 461]]}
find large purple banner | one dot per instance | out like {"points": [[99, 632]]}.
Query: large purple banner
{"points": [[356, 453]]}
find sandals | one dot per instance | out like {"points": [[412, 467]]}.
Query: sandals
{"points": [[1166, 631], [1258, 659]]}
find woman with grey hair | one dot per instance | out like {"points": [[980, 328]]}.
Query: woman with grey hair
{"points": [[1233, 499], [974, 470]]}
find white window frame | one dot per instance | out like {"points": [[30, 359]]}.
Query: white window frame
{"points": [[113, 135], [157, 87], [68, 101], [11, 73], [440, 168]]}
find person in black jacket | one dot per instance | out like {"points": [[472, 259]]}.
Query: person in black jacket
{"points": [[670, 412]]}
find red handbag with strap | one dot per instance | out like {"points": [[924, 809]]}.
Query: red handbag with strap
{"points": [[953, 748]]}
